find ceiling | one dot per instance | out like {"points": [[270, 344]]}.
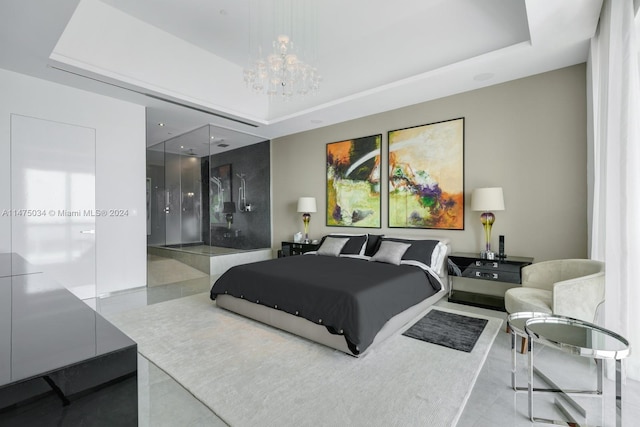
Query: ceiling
{"points": [[183, 59]]}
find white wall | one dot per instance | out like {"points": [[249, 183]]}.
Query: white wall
{"points": [[120, 169], [527, 136]]}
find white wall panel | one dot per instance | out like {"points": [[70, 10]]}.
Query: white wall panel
{"points": [[120, 169]]}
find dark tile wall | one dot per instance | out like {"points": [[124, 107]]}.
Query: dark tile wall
{"points": [[250, 230]]}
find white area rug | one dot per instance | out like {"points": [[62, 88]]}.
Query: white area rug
{"points": [[250, 374]]}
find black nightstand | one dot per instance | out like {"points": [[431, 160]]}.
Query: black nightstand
{"points": [[502, 272], [292, 248]]}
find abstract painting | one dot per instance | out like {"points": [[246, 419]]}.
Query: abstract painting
{"points": [[426, 176], [219, 192], [353, 182]]}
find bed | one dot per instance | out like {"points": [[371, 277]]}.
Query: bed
{"points": [[351, 294]]}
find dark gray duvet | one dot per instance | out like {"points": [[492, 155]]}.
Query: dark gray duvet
{"points": [[349, 296]]}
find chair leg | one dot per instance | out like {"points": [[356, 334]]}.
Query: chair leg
{"points": [[524, 345]]}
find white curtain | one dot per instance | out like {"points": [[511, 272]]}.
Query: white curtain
{"points": [[614, 169]]}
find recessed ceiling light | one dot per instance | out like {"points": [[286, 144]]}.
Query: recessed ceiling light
{"points": [[483, 76], [160, 124], [182, 146]]}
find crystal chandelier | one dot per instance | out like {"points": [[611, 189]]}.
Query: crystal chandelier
{"points": [[283, 72]]}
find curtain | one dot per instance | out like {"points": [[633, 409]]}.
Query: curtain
{"points": [[614, 169]]}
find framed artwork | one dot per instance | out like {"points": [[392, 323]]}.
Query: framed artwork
{"points": [[353, 182], [426, 176], [219, 192]]}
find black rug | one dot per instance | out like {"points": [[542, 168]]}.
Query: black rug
{"points": [[448, 329]]}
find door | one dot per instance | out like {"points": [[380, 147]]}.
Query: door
{"points": [[53, 200]]}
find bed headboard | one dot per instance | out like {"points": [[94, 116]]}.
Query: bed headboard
{"points": [[439, 255]]}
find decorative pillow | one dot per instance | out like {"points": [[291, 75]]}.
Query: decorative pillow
{"points": [[439, 257], [331, 246], [420, 250], [355, 246], [373, 243], [390, 252]]}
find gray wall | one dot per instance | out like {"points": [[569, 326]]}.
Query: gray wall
{"points": [[527, 136]]}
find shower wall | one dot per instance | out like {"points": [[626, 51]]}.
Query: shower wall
{"points": [[174, 195], [156, 217], [250, 229], [183, 197]]}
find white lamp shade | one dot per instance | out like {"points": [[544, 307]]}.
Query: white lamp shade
{"points": [[307, 204], [487, 199]]}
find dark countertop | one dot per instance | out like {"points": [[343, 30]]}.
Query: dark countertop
{"points": [[44, 327]]}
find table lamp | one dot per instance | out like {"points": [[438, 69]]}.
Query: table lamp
{"points": [[487, 200], [306, 205]]}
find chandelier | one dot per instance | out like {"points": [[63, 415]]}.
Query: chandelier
{"points": [[283, 72]]}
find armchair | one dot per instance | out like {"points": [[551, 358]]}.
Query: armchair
{"points": [[568, 287]]}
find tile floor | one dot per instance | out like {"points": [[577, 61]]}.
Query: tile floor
{"points": [[161, 400], [492, 402]]}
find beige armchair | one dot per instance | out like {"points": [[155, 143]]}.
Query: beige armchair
{"points": [[568, 287]]}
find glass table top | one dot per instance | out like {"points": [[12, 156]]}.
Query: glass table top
{"points": [[44, 327], [14, 265], [577, 337], [517, 321]]}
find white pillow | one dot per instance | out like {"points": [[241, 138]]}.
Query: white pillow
{"points": [[438, 257], [332, 246], [390, 252]]}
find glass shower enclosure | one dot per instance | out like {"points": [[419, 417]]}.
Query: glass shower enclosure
{"points": [[198, 190]]}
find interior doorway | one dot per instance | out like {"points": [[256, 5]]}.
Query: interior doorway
{"points": [[53, 215]]}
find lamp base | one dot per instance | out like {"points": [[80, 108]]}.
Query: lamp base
{"points": [[487, 255], [305, 220]]}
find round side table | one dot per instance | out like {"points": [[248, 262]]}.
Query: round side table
{"points": [[579, 338]]}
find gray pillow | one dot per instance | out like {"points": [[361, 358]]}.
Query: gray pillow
{"points": [[332, 246], [420, 250], [390, 252]]}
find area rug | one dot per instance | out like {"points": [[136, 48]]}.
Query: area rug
{"points": [[448, 329], [250, 374]]}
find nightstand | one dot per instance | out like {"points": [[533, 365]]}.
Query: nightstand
{"points": [[483, 282], [292, 248]]}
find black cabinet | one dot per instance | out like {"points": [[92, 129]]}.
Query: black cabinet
{"points": [[472, 266], [292, 248]]}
